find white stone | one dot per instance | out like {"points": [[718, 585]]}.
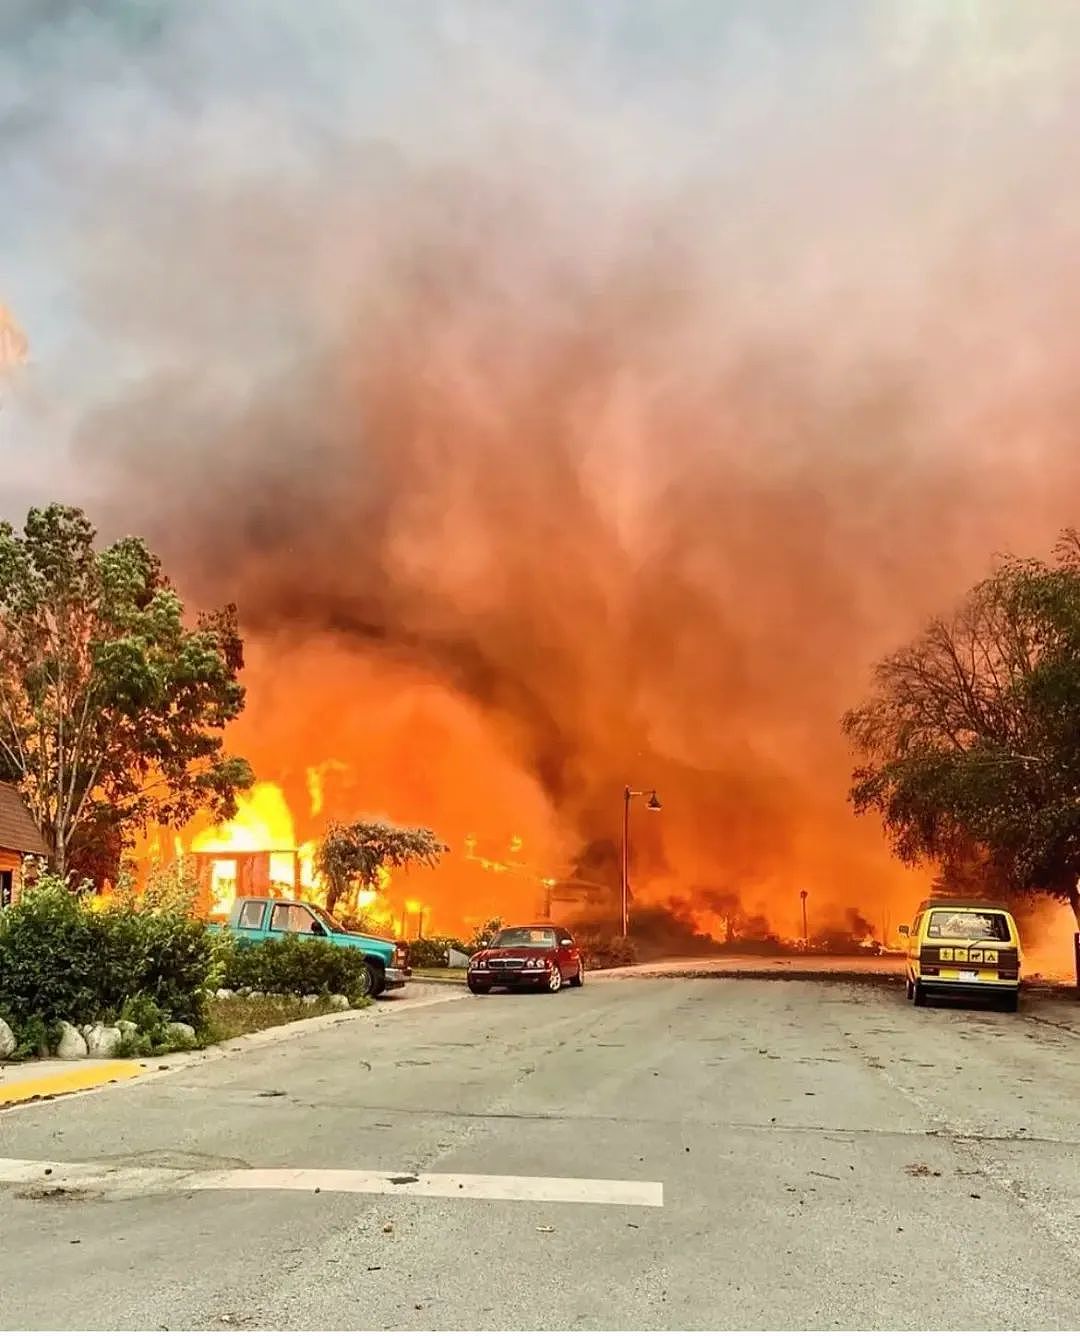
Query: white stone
{"points": [[338, 1002], [256, 992], [127, 1028], [102, 1041], [71, 1044], [8, 1044], [224, 994], [177, 1032], [310, 999]]}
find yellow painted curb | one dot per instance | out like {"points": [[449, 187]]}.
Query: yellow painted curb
{"points": [[82, 1076]]}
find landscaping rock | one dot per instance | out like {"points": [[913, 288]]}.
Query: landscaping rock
{"points": [[310, 999], [8, 1043], [224, 994], [102, 1041], [71, 1045], [338, 1002], [127, 1028], [255, 993], [177, 1032]]}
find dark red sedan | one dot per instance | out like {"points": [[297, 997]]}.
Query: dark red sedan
{"points": [[535, 956]]}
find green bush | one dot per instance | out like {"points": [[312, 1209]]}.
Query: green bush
{"points": [[290, 964], [605, 953], [430, 952], [61, 959]]}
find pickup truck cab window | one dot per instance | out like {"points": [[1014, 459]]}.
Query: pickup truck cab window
{"points": [[251, 915], [292, 918]]}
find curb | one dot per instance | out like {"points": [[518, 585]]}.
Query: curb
{"points": [[87, 1078], [82, 1076]]}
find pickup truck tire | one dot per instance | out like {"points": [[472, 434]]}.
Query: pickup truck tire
{"points": [[376, 980]]}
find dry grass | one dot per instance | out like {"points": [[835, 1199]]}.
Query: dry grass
{"points": [[227, 1018]]}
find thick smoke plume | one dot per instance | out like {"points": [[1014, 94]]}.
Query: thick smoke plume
{"points": [[569, 396]]}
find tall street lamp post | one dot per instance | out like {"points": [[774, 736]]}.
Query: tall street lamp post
{"points": [[653, 805], [805, 934]]}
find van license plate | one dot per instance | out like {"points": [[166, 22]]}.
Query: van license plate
{"points": [[969, 974]]}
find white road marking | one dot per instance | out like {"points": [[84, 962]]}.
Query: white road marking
{"points": [[476, 1187]]}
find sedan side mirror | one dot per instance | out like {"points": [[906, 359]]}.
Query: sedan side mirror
{"points": [[905, 930], [566, 941]]}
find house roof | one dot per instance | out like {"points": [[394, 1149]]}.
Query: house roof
{"points": [[18, 830]]}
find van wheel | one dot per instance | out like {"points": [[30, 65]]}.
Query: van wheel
{"points": [[918, 992], [910, 990], [1010, 1002]]}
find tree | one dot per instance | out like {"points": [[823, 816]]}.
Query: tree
{"points": [[111, 707], [971, 739], [483, 934], [349, 856]]}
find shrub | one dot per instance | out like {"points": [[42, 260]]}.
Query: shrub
{"points": [[290, 964], [483, 934], [605, 953], [49, 957], [60, 959], [430, 952]]}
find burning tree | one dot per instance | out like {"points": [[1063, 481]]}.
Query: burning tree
{"points": [[971, 739], [111, 708], [349, 856]]}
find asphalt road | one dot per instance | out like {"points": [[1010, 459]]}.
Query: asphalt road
{"points": [[827, 1157]]}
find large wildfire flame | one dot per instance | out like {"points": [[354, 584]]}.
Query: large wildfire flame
{"points": [[584, 407], [401, 903]]}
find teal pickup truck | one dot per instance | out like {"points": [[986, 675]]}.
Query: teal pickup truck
{"points": [[259, 919]]}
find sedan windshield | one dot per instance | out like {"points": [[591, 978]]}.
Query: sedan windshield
{"points": [[524, 937]]}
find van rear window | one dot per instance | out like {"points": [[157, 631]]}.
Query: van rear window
{"points": [[968, 926]]}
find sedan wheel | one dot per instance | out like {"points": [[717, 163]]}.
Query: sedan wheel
{"points": [[554, 982], [579, 978]]}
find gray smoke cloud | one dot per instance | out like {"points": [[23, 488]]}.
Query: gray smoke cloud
{"points": [[632, 373]]}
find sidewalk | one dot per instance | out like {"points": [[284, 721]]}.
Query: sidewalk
{"points": [[23, 1081]]}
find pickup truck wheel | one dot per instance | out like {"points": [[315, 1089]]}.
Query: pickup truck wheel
{"points": [[377, 980]]}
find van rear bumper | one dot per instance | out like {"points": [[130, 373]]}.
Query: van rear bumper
{"points": [[931, 984]]}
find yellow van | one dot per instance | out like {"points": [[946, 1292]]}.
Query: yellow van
{"points": [[963, 946]]}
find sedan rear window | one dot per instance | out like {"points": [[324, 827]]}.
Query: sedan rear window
{"points": [[525, 937], [967, 926]]}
